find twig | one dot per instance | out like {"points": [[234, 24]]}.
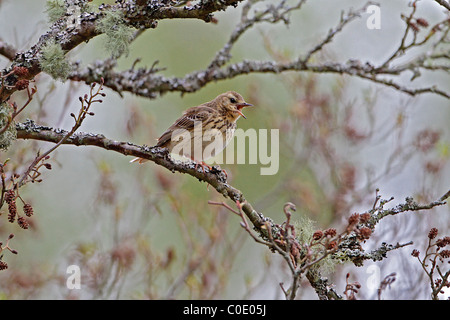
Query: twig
{"points": [[271, 14], [86, 103], [434, 257], [244, 224], [345, 19], [17, 112], [386, 283], [445, 196]]}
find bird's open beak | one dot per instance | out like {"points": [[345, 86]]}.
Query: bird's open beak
{"points": [[242, 105]]}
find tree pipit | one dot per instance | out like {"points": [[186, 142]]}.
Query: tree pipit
{"points": [[205, 130]]}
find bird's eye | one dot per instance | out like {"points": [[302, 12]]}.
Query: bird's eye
{"points": [[233, 100]]}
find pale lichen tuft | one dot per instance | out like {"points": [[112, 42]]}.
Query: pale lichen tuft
{"points": [[118, 34], [53, 61], [55, 10], [10, 134]]}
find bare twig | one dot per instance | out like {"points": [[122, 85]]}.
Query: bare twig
{"points": [[302, 258], [244, 223], [386, 283], [17, 112], [86, 103], [434, 258], [345, 19], [351, 288], [272, 14]]}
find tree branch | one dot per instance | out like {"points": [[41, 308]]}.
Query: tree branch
{"points": [[7, 50], [444, 3], [147, 83], [143, 82], [86, 29]]}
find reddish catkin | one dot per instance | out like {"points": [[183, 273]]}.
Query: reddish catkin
{"points": [[422, 22], [28, 209], [363, 218], [12, 209], [22, 84], [353, 219], [318, 235], [445, 254], [10, 195], [20, 71], [365, 232], [3, 265], [331, 232], [23, 223], [331, 245], [433, 233]]}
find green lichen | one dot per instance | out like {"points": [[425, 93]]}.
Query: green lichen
{"points": [[55, 9], [118, 34], [304, 230], [53, 61], [7, 137]]}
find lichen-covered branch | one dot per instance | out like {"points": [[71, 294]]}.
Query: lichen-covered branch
{"points": [[148, 83], [145, 83], [69, 35]]}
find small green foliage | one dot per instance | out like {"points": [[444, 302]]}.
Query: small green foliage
{"points": [[55, 9], [53, 62], [118, 34], [7, 137]]}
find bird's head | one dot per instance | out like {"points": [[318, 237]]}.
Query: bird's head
{"points": [[232, 103]]}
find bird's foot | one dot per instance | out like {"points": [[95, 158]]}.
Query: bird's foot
{"points": [[202, 165]]}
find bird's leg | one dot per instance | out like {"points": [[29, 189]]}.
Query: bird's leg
{"points": [[226, 174], [201, 164]]}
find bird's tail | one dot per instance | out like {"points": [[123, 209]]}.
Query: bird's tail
{"points": [[139, 160]]}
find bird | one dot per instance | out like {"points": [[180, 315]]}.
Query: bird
{"points": [[203, 131]]}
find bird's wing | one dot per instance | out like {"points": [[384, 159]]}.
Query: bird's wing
{"points": [[199, 114]]}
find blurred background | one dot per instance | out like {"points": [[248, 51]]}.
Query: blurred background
{"points": [[140, 231]]}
